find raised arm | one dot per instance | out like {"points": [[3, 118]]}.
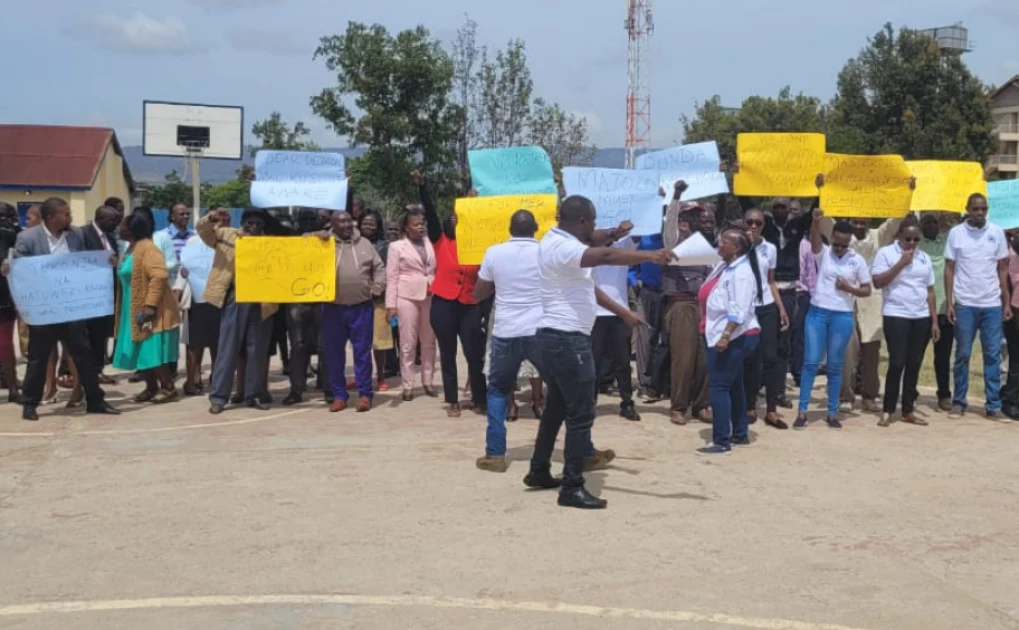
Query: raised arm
{"points": [[207, 230], [816, 244], [432, 224]]}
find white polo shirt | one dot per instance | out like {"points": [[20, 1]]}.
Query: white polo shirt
{"points": [[976, 253], [906, 295], [567, 289], [513, 268], [612, 280], [851, 266], [767, 259]]}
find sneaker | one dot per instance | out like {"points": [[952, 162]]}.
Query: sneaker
{"points": [[492, 464], [600, 460], [945, 404], [833, 422], [628, 411], [956, 412], [847, 406], [714, 449], [801, 422]]}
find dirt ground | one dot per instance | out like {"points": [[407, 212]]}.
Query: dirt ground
{"points": [[167, 518]]}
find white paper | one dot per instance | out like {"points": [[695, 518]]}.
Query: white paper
{"points": [[695, 250]]}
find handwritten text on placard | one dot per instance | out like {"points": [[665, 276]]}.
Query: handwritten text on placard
{"points": [[778, 164], [619, 195], [865, 186], [511, 171], [696, 164], [299, 178], [484, 221], [285, 269], [61, 288]]}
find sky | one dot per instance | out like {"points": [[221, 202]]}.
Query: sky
{"points": [[93, 63]]}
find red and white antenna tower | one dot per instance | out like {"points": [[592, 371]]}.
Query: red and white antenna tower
{"points": [[640, 25]]}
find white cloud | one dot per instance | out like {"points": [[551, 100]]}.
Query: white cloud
{"points": [[233, 5], [275, 42], [138, 33]]}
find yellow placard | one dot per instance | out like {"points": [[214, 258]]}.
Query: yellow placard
{"points": [[773, 164], [485, 221], [865, 186], [285, 269], [943, 185]]}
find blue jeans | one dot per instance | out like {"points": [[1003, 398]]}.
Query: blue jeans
{"points": [[968, 320], [725, 390], [568, 368], [824, 330], [505, 357]]}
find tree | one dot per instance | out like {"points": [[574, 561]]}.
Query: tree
{"points": [[235, 193], [757, 114], [274, 133], [400, 86], [503, 111], [562, 135], [903, 95], [465, 91], [175, 190]]}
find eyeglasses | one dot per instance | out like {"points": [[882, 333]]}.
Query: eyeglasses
{"points": [[753, 222]]}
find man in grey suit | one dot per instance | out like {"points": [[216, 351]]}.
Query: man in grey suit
{"points": [[55, 235]]}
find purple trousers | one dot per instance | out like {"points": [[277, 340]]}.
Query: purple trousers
{"points": [[340, 323]]}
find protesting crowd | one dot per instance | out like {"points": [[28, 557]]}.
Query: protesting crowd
{"points": [[786, 291]]}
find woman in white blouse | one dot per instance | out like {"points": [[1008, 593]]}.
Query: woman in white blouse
{"points": [[841, 278], [728, 299], [910, 317]]}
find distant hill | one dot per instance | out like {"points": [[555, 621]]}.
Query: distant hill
{"points": [[147, 169]]}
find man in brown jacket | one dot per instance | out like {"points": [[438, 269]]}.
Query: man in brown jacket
{"points": [[250, 324], [360, 275]]}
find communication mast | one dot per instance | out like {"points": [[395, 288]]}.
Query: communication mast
{"points": [[639, 26]]}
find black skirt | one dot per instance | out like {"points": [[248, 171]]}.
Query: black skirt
{"points": [[203, 326]]}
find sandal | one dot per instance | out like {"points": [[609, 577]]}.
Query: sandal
{"points": [[911, 419], [166, 396], [145, 396]]}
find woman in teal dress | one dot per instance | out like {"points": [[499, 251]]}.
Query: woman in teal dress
{"points": [[148, 319]]}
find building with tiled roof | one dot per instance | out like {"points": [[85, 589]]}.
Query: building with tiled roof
{"points": [[83, 165]]}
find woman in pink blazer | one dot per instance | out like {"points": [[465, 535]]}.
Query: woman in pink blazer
{"points": [[410, 269]]}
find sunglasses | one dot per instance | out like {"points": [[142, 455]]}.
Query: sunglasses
{"points": [[753, 222]]}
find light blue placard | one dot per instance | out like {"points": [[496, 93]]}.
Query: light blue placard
{"points": [[299, 178], [619, 195], [1003, 203], [695, 164], [61, 288], [512, 171], [197, 258]]}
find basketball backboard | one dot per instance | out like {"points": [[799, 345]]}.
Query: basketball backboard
{"points": [[192, 130]]}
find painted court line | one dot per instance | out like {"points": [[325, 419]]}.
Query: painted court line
{"points": [[187, 427], [219, 601]]}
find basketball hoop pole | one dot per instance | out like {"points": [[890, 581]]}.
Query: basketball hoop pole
{"points": [[196, 185]]}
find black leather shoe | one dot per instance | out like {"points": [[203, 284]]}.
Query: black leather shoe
{"points": [[104, 408], [293, 398], [542, 479], [581, 498], [29, 413], [628, 411], [215, 409], [255, 403]]}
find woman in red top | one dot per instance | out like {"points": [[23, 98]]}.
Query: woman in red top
{"points": [[455, 312]]}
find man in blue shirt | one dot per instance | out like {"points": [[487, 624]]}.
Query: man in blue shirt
{"points": [[180, 227], [647, 277]]}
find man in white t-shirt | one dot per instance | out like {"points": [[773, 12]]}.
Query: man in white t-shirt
{"points": [[570, 302], [977, 300], [511, 271], [610, 337]]}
